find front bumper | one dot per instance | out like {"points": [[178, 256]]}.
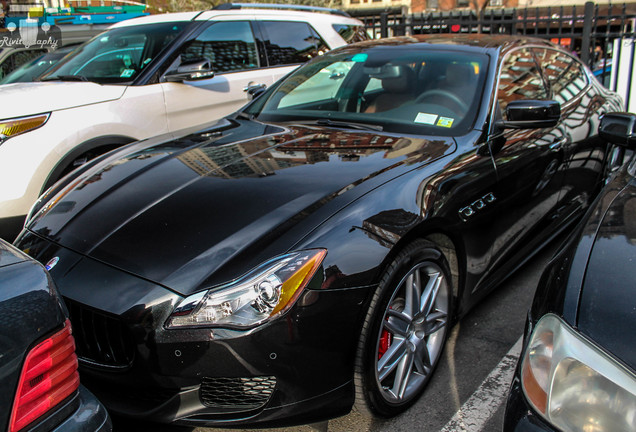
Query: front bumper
{"points": [[295, 369], [520, 417]]}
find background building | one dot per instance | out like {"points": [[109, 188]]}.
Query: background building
{"points": [[417, 6]]}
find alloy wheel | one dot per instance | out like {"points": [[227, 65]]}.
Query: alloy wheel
{"points": [[413, 333]]}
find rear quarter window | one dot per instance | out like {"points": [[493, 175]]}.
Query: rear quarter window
{"points": [[351, 33], [288, 42]]}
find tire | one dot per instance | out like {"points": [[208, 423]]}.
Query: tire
{"points": [[399, 349]]}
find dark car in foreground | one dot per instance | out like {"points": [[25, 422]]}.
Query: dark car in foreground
{"points": [[578, 368], [38, 366], [314, 248]]}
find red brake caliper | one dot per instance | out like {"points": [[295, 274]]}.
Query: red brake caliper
{"points": [[385, 341]]}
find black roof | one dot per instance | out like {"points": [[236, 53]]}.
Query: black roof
{"points": [[483, 41]]}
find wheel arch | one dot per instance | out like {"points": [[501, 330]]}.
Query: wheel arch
{"points": [[420, 248], [450, 244], [103, 143]]}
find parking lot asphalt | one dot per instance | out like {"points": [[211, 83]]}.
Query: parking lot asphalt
{"points": [[467, 393]]}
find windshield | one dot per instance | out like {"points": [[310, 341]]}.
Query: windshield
{"points": [[118, 55], [407, 89]]}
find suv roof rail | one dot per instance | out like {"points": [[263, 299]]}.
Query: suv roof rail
{"points": [[228, 6]]}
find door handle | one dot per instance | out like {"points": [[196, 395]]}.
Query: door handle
{"points": [[254, 90], [252, 86]]}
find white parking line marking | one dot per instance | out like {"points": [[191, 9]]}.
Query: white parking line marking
{"points": [[450, 358], [484, 402]]}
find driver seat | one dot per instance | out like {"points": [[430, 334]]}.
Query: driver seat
{"points": [[460, 79], [398, 89]]}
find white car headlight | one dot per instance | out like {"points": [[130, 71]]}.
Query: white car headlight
{"points": [[16, 126], [575, 385], [260, 295]]}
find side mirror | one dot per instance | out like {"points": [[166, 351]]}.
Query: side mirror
{"points": [[531, 114], [191, 71], [619, 128]]}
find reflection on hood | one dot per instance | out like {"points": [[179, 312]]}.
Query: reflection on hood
{"points": [[302, 145]]}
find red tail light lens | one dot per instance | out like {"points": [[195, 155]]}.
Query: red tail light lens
{"points": [[49, 376]]}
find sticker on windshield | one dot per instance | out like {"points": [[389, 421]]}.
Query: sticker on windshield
{"points": [[425, 118], [127, 73], [360, 57], [445, 122]]}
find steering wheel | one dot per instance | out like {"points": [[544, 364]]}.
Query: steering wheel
{"points": [[446, 94]]}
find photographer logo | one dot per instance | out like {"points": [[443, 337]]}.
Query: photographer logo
{"points": [[30, 33]]}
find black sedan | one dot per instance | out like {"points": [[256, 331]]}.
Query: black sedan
{"points": [[38, 367], [578, 368], [313, 249]]}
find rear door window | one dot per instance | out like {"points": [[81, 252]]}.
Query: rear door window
{"points": [[565, 76], [289, 43], [520, 79], [229, 45]]}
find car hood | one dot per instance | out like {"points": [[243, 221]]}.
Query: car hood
{"points": [[23, 99], [607, 312], [175, 212]]}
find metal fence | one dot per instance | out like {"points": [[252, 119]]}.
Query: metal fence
{"points": [[601, 35]]}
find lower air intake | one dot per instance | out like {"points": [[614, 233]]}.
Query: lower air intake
{"points": [[239, 393]]}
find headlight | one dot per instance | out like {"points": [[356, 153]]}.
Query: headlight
{"points": [[575, 385], [16, 126], [269, 290]]}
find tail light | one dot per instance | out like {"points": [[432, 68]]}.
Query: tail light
{"points": [[49, 376]]}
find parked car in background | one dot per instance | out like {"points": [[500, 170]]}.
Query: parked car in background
{"points": [[40, 384], [149, 76], [34, 69], [12, 58], [578, 367], [313, 250]]}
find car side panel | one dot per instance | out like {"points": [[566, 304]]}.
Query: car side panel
{"points": [[195, 102], [362, 240], [587, 153], [28, 175]]}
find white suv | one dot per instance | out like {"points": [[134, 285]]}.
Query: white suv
{"points": [[145, 77]]}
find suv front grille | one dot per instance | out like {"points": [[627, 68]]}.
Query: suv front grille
{"points": [[100, 339], [240, 393]]}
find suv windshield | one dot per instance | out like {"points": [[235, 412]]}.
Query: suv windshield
{"points": [[118, 55], [406, 89]]}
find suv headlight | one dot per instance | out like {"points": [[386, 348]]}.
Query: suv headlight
{"points": [[573, 384], [260, 295], [16, 126]]}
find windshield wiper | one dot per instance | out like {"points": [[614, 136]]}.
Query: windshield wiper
{"points": [[65, 78], [352, 125]]}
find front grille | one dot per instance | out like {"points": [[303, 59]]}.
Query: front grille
{"points": [[241, 393], [100, 339]]}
